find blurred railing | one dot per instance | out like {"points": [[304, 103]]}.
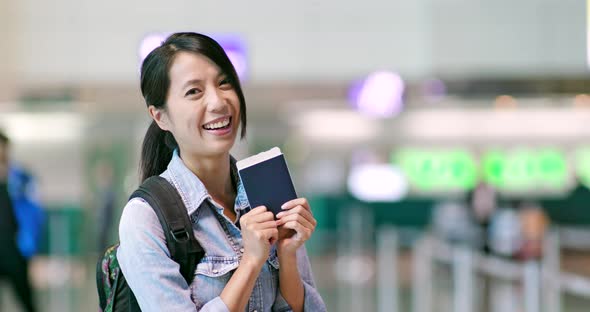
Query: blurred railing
{"points": [[543, 283], [370, 278]]}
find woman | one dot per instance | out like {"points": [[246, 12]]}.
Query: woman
{"points": [[195, 100]]}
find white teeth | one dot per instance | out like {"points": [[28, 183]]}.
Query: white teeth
{"points": [[217, 125]]}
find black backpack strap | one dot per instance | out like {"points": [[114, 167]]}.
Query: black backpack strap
{"points": [[170, 209]]}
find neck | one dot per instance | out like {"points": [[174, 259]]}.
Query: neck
{"points": [[214, 172]]}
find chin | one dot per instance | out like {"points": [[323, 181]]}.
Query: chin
{"points": [[221, 148]]}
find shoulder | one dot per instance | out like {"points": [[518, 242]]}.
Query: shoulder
{"points": [[137, 212], [137, 209], [137, 218], [140, 230]]}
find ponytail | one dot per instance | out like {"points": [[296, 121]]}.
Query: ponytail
{"points": [[156, 152]]}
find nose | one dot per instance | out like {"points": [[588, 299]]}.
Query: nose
{"points": [[215, 101]]}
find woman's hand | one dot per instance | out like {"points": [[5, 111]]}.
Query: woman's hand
{"points": [[296, 224], [259, 232]]}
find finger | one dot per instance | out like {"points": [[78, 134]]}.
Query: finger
{"points": [[298, 210], [270, 234], [303, 233], [264, 225], [293, 203], [297, 218], [257, 210], [249, 221], [261, 217]]}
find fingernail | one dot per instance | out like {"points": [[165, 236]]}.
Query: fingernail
{"points": [[283, 206], [279, 214]]}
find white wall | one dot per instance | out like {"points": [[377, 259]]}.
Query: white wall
{"points": [[518, 37], [93, 41], [9, 59]]}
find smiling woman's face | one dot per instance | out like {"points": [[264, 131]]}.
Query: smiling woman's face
{"points": [[202, 108]]}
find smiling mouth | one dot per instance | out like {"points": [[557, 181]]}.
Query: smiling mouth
{"points": [[221, 124]]}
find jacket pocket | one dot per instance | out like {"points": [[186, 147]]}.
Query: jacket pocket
{"points": [[211, 276], [214, 266]]}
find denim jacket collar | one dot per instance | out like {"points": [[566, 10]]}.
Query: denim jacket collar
{"points": [[193, 191]]}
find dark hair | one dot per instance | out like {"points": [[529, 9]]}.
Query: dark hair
{"points": [[158, 144]]}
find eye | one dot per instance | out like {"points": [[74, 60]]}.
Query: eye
{"points": [[225, 83], [192, 91]]}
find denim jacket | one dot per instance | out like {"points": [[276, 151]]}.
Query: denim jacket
{"points": [[155, 278]]}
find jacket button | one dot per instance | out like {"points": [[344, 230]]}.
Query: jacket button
{"points": [[215, 271], [242, 251]]}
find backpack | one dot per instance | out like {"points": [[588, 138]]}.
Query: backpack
{"points": [[113, 291]]}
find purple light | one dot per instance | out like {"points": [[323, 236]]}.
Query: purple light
{"points": [[434, 89], [380, 94], [149, 43], [235, 48], [239, 62], [233, 45]]}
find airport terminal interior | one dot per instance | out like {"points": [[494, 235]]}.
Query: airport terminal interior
{"points": [[443, 145]]}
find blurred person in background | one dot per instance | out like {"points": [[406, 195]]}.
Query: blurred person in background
{"points": [[30, 215], [16, 244], [505, 231], [450, 221], [107, 197], [482, 201], [195, 99], [534, 224]]}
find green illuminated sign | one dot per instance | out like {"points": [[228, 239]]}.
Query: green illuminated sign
{"points": [[525, 169], [552, 167], [439, 170], [518, 170], [583, 165]]}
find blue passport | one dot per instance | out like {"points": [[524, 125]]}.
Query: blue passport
{"points": [[266, 179]]}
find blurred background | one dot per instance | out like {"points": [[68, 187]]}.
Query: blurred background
{"points": [[444, 145]]}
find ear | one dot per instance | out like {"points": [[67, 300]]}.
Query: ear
{"points": [[160, 117]]}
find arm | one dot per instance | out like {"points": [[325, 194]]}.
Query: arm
{"points": [[290, 283], [145, 261], [297, 285], [148, 269], [238, 290], [296, 225], [259, 232]]}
